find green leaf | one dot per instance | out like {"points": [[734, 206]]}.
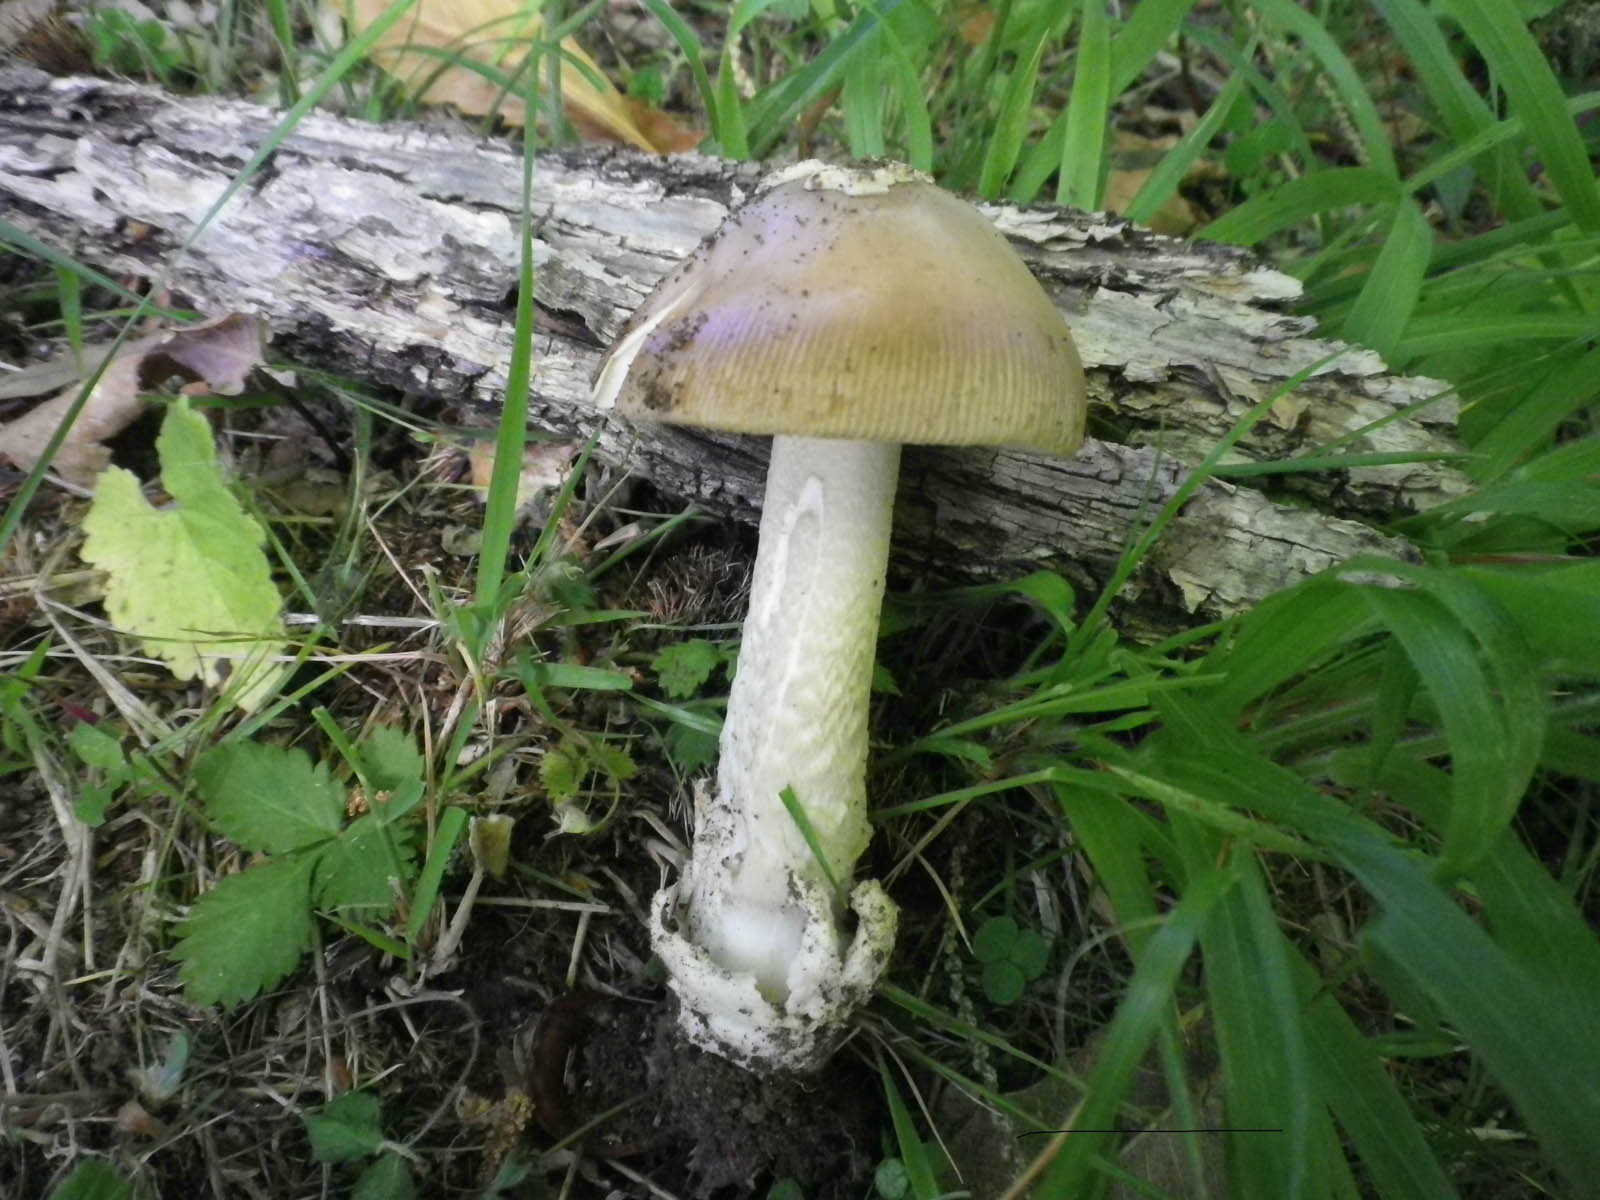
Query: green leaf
{"points": [[1003, 982], [268, 798], [683, 669], [190, 581], [1031, 953], [344, 1129], [562, 769], [92, 802], [891, 1180], [390, 759], [613, 761], [994, 940], [93, 1179], [96, 748], [579, 678], [246, 933], [354, 870], [388, 1178], [691, 749]]}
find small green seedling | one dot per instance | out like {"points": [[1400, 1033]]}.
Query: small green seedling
{"points": [[349, 1129], [683, 668], [321, 853], [568, 764], [108, 770], [1012, 958]]}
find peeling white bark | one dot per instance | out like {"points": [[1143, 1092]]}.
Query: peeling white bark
{"points": [[386, 254]]}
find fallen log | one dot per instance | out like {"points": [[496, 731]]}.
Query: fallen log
{"points": [[388, 254]]}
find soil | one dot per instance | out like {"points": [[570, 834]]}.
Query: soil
{"points": [[727, 1130]]}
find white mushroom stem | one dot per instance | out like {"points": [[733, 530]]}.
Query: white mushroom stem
{"points": [[753, 939]]}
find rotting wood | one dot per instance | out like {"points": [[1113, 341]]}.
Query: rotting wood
{"points": [[388, 253]]}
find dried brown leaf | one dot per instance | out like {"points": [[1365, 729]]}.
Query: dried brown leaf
{"points": [[433, 49], [218, 354]]}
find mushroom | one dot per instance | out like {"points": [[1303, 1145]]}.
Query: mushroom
{"points": [[844, 312]]}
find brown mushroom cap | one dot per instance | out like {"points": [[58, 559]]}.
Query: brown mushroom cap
{"points": [[891, 312]]}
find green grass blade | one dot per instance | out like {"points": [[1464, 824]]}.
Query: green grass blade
{"points": [[500, 506], [1314, 36], [813, 840], [1143, 1010], [1175, 163], [451, 822], [1461, 109], [1355, 1084], [1532, 424], [693, 53], [1467, 652], [1150, 25], [1502, 36], [1381, 312], [862, 98], [1548, 1065], [1300, 199], [733, 139], [1256, 1013], [1012, 119], [919, 1166], [1083, 150], [771, 114]]}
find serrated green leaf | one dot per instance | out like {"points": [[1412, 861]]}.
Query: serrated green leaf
{"points": [[613, 761], [994, 939], [390, 759], [561, 770], [388, 1178], [246, 933], [191, 581], [354, 870], [268, 798], [345, 1128], [683, 669], [691, 749]]}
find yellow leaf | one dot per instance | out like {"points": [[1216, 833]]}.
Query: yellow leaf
{"points": [[462, 52], [190, 580]]}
